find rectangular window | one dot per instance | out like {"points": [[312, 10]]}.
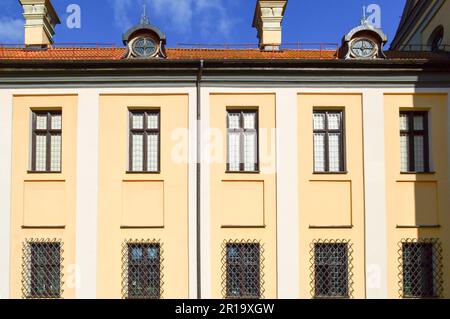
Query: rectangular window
{"points": [[144, 141], [43, 270], [242, 141], [331, 270], [243, 275], [46, 141], [414, 146], [418, 270], [328, 141], [144, 270]]}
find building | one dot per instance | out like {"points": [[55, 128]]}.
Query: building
{"points": [[424, 26], [153, 172]]}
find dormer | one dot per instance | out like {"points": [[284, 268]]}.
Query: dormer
{"points": [[144, 41], [363, 42]]}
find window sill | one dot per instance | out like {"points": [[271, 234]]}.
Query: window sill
{"points": [[331, 227], [44, 172], [242, 172], [330, 173], [331, 297], [44, 227], [417, 173], [417, 226], [140, 173]]}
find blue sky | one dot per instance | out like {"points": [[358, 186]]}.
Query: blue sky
{"points": [[202, 21]]}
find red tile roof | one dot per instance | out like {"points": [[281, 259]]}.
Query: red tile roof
{"points": [[111, 54], [172, 54]]}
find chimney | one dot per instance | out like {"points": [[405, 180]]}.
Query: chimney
{"points": [[40, 21], [268, 18]]}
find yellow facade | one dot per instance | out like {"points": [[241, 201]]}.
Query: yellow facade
{"points": [[43, 205], [142, 206], [191, 204], [417, 204], [243, 206], [331, 205]]}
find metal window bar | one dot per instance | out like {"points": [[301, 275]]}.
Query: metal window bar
{"points": [[52, 153], [42, 269], [142, 276], [147, 134], [242, 131], [242, 266], [327, 132], [420, 268], [411, 133]]}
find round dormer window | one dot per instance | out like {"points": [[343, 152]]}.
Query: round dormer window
{"points": [[144, 47], [364, 48], [436, 39]]}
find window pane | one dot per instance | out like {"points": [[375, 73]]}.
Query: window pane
{"points": [[233, 151], [249, 151], [334, 121], [418, 122], [152, 152], [234, 120], [41, 121], [319, 121], [418, 271], [404, 122], [138, 121], [138, 152], [331, 270], [55, 156], [153, 121], [41, 152], [334, 152], [136, 254], [404, 152], [319, 152], [419, 155], [56, 121], [44, 270], [243, 271], [144, 279], [249, 120]]}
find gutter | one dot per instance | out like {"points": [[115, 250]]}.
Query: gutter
{"points": [[198, 190]]}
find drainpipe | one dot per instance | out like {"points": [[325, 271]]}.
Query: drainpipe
{"points": [[199, 158]]}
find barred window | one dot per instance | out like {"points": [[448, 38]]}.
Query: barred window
{"points": [[144, 141], [421, 269], [328, 141], [331, 270], [42, 270], [46, 141], [414, 146], [243, 274], [143, 270], [242, 141]]}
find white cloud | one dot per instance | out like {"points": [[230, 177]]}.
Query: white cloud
{"points": [[181, 16], [121, 14], [11, 30]]}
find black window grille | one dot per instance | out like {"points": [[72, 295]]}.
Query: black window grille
{"points": [[42, 269], [331, 270], [143, 272], [144, 141], [421, 269], [414, 142], [243, 270]]}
